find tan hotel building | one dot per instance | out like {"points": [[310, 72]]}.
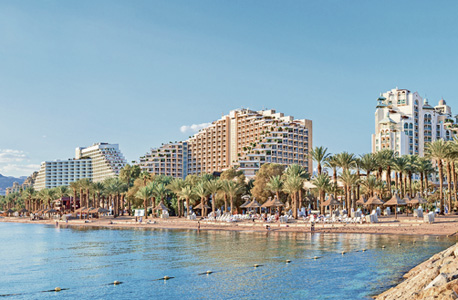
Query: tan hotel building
{"points": [[244, 138]]}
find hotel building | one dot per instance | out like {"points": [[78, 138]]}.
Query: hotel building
{"points": [[244, 138], [404, 122], [97, 162]]}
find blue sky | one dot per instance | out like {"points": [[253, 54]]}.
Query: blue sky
{"points": [[134, 72]]}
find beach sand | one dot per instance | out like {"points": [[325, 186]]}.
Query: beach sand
{"points": [[444, 225]]}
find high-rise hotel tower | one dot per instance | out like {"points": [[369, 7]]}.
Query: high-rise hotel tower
{"points": [[244, 138], [97, 162], [404, 122]]}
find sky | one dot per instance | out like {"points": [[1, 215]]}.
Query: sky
{"points": [[142, 73]]}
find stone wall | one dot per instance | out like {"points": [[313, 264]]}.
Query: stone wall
{"points": [[436, 278]]}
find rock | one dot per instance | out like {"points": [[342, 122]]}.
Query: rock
{"points": [[441, 279], [436, 278]]}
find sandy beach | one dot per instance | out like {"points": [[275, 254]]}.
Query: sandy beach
{"points": [[444, 225]]}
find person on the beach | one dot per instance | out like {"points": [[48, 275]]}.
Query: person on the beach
{"points": [[198, 225]]}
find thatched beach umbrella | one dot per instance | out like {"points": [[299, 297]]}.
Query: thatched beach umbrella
{"points": [[362, 200], [417, 200], [99, 210], [199, 206], [330, 202], [24, 211], [373, 201], [395, 201], [161, 206], [245, 203], [407, 200], [254, 204]]}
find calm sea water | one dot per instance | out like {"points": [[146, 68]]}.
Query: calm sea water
{"points": [[35, 258]]}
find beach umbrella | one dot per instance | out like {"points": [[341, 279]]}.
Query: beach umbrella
{"points": [[88, 209], [245, 203], [362, 200], [276, 203], [417, 200], [407, 200], [81, 209], [268, 203], [395, 201], [23, 210], [199, 206], [99, 210], [50, 211], [9, 211], [330, 202], [161, 206], [254, 204], [373, 201]]}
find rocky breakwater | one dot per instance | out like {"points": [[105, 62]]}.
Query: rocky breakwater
{"points": [[436, 278]]}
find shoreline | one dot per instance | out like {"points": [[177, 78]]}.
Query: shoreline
{"points": [[434, 278], [445, 225]]}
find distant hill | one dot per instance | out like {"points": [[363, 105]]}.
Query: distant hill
{"points": [[7, 181]]}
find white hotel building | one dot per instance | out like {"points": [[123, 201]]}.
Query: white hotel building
{"points": [[404, 122], [97, 162]]}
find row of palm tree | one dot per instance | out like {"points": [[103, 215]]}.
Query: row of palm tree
{"points": [[374, 171], [382, 172]]}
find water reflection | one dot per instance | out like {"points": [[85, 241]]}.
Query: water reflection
{"points": [[86, 259]]}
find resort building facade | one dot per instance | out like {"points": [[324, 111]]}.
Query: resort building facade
{"points": [[404, 122], [97, 162], [244, 138]]}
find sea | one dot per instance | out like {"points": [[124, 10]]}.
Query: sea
{"points": [[84, 263]]}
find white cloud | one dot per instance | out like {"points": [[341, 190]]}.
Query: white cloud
{"points": [[194, 127], [16, 163], [18, 170], [10, 155]]}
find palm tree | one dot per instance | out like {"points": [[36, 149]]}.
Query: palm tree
{"points": [[322, 183], [146, 177], [384, 159], [400, 166], [47, 195], [145, 193], [411, 169], [423, 166], [439, 150], [29, 193], [292, 185], [370, 183], [201, 192], [213, 186], [175, 186], [319, 155], [349, 179], [74, 186], [345, 161], [368, 163], [160, 192], [232, 189], [332, 163], [275, 185], [186, 194], [99, 188]]}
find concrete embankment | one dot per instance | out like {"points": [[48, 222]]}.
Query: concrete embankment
{"points": [[436, 278]]}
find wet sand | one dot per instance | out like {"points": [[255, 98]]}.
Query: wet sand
{"points": [[444, 225]]}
